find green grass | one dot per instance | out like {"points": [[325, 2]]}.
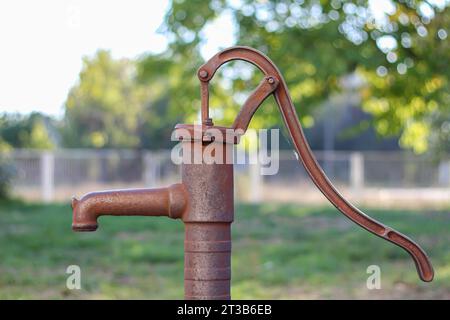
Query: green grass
{"points": [[279, 251]]}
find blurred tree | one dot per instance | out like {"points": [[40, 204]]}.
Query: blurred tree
{"points": [[20, 131], [401, 55], [5, 178], [103, 109], [119, 104], [172, 88], [25, 131], [410, 91], [5, 172], [176, 90]]}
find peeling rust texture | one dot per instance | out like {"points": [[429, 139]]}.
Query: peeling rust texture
{"points": [[204, 199], [169, 202], [306, 157], [207, 260], [208, 221]]}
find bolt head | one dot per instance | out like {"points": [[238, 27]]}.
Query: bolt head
{"points": [[203, 74], [208, 122], [270, 80]]}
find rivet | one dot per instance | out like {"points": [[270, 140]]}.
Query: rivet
{"points": [[203, 74]]}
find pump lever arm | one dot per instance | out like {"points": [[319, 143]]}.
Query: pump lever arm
{"points": [[281, 93], [265, 88]]}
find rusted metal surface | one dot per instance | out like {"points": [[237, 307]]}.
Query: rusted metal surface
{"points": [[207, 261], [423, 264], [204, 199], [208, 221], [264, 89], [171, 202]]}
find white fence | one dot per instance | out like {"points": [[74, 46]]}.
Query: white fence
{"points": [[381, 178]]}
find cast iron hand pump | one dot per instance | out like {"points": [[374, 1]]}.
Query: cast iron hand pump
{"points": [[204, 199]]}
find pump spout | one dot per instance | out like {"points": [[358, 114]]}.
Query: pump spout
{"points": [[171, 202]]}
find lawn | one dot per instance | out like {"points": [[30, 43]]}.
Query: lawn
{"points": [[279, 252]]}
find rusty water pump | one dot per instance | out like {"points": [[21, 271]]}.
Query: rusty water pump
{"points": [[204, 198]]}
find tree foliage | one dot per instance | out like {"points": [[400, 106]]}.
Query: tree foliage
{"points": [[172, 75], [103, 109], [402, 56], [124, 104], [21, 131], [25, 131]]}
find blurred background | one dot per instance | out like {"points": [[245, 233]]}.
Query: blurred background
{"points": [[91, 91]]}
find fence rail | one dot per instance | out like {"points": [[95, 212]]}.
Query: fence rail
{"points": [[390, 177]]}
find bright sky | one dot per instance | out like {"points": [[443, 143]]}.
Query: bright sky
{"points": [[42, 44]]}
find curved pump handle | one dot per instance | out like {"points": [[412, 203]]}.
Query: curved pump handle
{"points": [[274, 83]]}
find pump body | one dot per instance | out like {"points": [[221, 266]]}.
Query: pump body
{"points": [[207, 222], [204, 198]]}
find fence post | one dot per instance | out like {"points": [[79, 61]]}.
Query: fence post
{"points": [[148, 174], [255, 177], [47, 176], [444, 174], [152, 168], [356, 171]]}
